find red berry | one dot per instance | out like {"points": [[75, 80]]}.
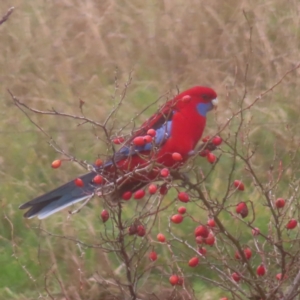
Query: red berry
{"points": [[217, 140], [98, 179], [237, 255], [202, 231], [236, 277], [163, 189], [177, 219], [164, 172], [224, 298], [79, 182], [279, 276], [126, 195], [206, 139], [118, 140], [247, 252], [199, 239], [181, 210], [242, 209], [261, 270], [202, 251], [148, 139], [161, 238], [211, 158], [255, 231], [141, 231], [180, 281], [151, 132], [177, 156], [193, 262], [139, 194], [153, 256], [98, 162], [183, 197], [204, 152], [152, 189], [139, 141], [291, 224], [210, 240], [56, 164], [239, 185], [211, 223], [174, 279], [104, 215], [132, 229], [280, 202]]}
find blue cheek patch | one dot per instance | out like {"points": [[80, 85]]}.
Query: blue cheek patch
{"points": [[203, 108]]}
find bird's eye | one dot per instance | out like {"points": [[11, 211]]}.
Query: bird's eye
{"points": [[205, 97]]}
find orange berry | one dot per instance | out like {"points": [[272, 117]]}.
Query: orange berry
{"points": [[147, 139], [242, 209], [217, 140], [206, 139], [261, 270], [239, 185], [174, 279], [211, 158], [163, 189], [56, 164], [98, 179], [118, 140], [126, 195], [177, 156], [177, 219], [210, 240], [291, 224], [211, 223], [141, 231], [153, 256], [139, 141], [79, 182], [152, 188], [161, 238], [204, 152], [280, 203], [104, 215], [98, 162], [181, 210], [193, 262], [202, 231], [164, 172], [202, 251], [151, 132], [139, 194], [183, 197], [236, 277]]}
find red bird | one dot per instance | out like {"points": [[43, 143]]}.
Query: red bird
{"points": [[178, 126]]}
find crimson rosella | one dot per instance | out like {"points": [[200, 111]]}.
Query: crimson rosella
{"points": [[178, 126]]}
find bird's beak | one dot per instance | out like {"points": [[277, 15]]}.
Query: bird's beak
{"points": [[215, 102]]}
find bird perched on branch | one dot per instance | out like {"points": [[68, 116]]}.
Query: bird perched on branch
{"points": [[175, 128]]}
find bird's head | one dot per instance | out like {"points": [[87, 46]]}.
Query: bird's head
{"points": [[202, 98]]}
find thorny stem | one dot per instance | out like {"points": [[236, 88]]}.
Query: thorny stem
{"points": [[226, 232], [123, 253]]}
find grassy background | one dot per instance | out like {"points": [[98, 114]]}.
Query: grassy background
{"points": [[54, 53]]}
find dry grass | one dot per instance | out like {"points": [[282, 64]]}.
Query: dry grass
{"points": [[55, 52]]}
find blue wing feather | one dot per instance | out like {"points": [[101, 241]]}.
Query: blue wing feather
{"points": [[162, 134]]}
